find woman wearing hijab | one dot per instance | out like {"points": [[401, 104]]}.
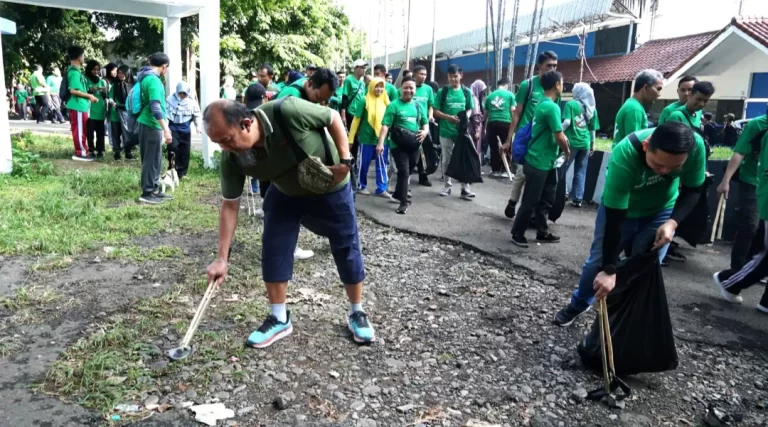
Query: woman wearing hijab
{"points": [[476, 119], [97, 87], [118, 93], [182, 111], [228, 88], [580, 123], [368, 122]]}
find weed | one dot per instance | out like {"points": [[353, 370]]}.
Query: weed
{"points": [[52, 263], [446, 357], [34, 296], [238, 312], [140, 254], [718, 153], [9, 346]]}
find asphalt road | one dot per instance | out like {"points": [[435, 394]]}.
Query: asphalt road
{"points": [[698, 311]]}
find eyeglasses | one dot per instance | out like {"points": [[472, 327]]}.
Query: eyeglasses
{"points": [[552, 66]]}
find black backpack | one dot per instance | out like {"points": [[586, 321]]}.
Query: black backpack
{"points": [[64, 94], [444, 94]]}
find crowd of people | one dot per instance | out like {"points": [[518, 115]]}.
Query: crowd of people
{"points": [[308, 153]]}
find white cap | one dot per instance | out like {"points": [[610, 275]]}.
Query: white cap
{"points": [[360, 63]]}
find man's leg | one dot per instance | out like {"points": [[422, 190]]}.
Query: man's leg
{"points": [[282, 220], [151, 141], [581, 157], [492, 135], [77, 123], [537, 180], [517, 188], [333, 216], [90, 126], [173, 147], [367, 153], [116, 137], [100, 135], [746, 225], [401, 187], [446, 145], [182, 157], [39, 108], [542, 210], [731, 282]]}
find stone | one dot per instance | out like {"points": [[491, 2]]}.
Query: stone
{"points": [[159, 365], [405, 408], [222, 395], [357, 405], [283, 401], [339, 395], [579, 395], [614, 403], [281, 377], [334, 374], [372, 390], [151, 403], [526, 389], [396, 364], [190, 394], [366, 422], [217, 377], [246, 410], [239, 388]]}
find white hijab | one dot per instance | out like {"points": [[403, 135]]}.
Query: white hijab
{"points": [[583, 93]]}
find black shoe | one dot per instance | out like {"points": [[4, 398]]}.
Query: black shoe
{"points": [[520, 241], [130, 156], [548, 238], [576, 204], [150, 199], [100, 156], [402, 209], [117, 157], [163, 196], [425, 182], [567, 315], [674, 255], [509, 212], [91, 155]]}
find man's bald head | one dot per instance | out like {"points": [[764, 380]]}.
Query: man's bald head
{"points": [[231, 125]]}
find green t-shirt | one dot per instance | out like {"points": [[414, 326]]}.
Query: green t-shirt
{"points": [[630, 184], [630, 118], [339, 92], [54, 82], [537, 94], [498, 106], [152, 89], [425, 96], [405, 115], [748, 168], [579, 132], [542, 149], [76, 81], [682, 115], [762, 179], [39, 86], [305, 120], [293, 89], [21, 96], [455, 102], [365, 133], [391, 91], [354, 90], [98, 109], [669, 109]]}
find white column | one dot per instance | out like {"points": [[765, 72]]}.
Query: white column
{"points": [[172, 48], [209, 30], [6, 165]]}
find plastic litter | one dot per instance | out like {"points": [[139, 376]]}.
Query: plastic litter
{"points": [[209, 414]]}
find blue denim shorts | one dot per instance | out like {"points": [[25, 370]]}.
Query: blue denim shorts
{"points": [[330, 215]]}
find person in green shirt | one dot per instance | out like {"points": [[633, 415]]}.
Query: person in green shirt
{"points": [[745, 156], [580, 124], [407, 114], [684, 89], [653, 181], [22, 97], [98, 88], [380, 71], [547, 142], [40, 89], [452, 101], [499, 108], [116, 97], [227, 90], [265, 76], [342, 75], [316, 89], [690, 113], [732, 281], [152, 126], [353, 95], [54, 82], [425, 96], [528, 96], [79, 103], [244, 137], [633, 115]]}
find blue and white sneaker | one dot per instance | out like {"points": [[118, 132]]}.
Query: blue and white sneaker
{"points": [[361, 328], [255, 186], [270, 331]]}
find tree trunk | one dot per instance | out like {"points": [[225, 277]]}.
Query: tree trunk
{"points": [[530, 41], [513, 44], [434, 41], [498, 49], [538, 34]]}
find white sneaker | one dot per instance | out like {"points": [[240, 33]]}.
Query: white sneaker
{"points": [[301, 254], [82, 158], [495, 174], [504, 175], [259, 213], [446, 191], [728, 296], [364, 192]]}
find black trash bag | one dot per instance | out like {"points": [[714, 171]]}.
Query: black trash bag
{"points": [[641, 329], [465, 161], [431, 150], [695, 228], [556, 211]]}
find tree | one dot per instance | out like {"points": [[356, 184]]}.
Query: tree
{"points": [[44, 34]]}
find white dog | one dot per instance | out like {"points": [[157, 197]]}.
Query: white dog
{"points": [[170, 178]]}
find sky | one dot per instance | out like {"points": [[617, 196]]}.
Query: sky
{"points": [[675, 18]]}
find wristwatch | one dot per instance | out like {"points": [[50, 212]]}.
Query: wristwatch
{"points": [[609, 269], [349, 162]]}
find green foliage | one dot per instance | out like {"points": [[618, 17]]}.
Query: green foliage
{"points": [[718, 153], [28, 165]]}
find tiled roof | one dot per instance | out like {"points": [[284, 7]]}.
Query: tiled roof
{"points": [[757, 28]]}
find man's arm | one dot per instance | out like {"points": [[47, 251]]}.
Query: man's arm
{"points": [[431, 114], [516, 114], [733, 165], [442, 116], [382, 135], [339, 135], [562, 142]]}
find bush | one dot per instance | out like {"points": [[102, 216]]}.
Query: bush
{"points": [[27, 165]]}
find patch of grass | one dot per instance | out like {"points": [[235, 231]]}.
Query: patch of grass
{"points": [[80, 209], [603, 144], [446, 357], [52, 263], [9, 346], [238, 312], [718, 153], [140, 254], [34, 296]]}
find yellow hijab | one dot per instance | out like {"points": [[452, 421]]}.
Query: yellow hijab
{"points": [[376, 105]]}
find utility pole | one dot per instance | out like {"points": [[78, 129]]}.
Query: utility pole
{"points": [[498, 49], [408, 39], [434, 41], [741, 6], [487, 53], [538, 34], [582, 51], [513, 44], [530, 41], [386, 49]]}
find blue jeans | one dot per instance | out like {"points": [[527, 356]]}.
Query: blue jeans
{"points": [[637, 236], [368, 154], [579, 158]]}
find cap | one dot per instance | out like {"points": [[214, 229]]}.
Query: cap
{"points": [[254, 96], [311, 67], [360, 63]]}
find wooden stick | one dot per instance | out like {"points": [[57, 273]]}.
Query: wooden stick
{"points": [[717, 217], [199, 314], [608, 339], [722, 220], [504, 160], [602, 346]]}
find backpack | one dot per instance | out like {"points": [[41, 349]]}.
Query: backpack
{"points": [[444, 94], [520, 145], [64, 94], [133, 100]]}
